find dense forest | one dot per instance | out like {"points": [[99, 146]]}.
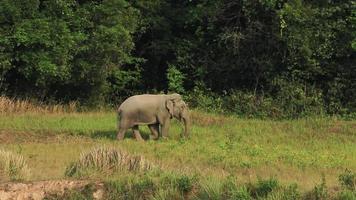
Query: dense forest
{"points": [[260, 58]]}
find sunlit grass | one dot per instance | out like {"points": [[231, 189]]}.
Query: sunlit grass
{"points": [[291, 150]]}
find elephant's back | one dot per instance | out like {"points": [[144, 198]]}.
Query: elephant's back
{"points": [[140, 101]]}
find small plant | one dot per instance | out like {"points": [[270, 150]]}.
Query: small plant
{"points": [[319, 192], [264, 187], [348, 180], [185, 184], [143, 187], [13, 166]]}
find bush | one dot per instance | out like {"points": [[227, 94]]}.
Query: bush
{"points": [[264, 187], [287, 100], [175, 79], [204, 99], [250, 105], [348, 180], [295, 99], [185, 184]]}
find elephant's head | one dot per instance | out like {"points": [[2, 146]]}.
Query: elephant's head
{"points": [[179, 110]]}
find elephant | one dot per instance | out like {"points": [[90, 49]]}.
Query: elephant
{"points": [[156, 111]]}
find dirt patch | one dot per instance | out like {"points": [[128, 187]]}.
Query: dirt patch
{"points": [[39, 190]]}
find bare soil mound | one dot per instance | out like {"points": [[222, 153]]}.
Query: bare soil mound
{"points": [[39, 190]]}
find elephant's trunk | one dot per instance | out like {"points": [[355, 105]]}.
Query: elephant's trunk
{"points": [[186, 121]]}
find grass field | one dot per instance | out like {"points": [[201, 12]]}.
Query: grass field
{"points": [[292, 151], [296, 150]]}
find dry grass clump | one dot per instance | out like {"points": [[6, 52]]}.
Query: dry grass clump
{"points": [[108, 160], [8, 105], [13, 166], [206, 119]]}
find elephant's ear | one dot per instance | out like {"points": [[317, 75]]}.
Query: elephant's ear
{"points": [[170, 107]]}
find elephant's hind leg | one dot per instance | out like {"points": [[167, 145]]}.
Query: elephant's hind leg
{"points": [[136, 132], [154, 130]]}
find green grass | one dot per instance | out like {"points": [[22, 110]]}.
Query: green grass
{"points": [[300, 151]]}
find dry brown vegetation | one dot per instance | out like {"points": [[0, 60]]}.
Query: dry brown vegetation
{"points": [[108, 159], [13, 166], [206, 119], [8, 105]]}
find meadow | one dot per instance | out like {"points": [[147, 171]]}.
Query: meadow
{"points": [[305, 151]]}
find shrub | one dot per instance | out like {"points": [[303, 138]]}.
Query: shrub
{"points": [[13, 166], [348, 180], [175, 79], [250, 105], [295, 99], [232, 191], [185, 184], [264, 187], [204, 99]]}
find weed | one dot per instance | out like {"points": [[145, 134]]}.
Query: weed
{"points": [[232, 191], [319, 192], [348, 180], [185, 184], [264, 187]]}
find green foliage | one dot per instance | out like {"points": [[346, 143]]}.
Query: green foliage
{"points": [[204, 99], [185, 184], [175, 80], [348, 180], [346, 195], [57, 48], [232, 191], [100, 52], [264, 187]]}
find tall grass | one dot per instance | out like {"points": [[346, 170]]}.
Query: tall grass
{"points": [[13, 166], [219, 145], [8, 105], [107, 159]]}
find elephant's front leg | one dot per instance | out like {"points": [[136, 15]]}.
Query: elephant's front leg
{"points": [[165, 128], [154, 130], [136, 132]]}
